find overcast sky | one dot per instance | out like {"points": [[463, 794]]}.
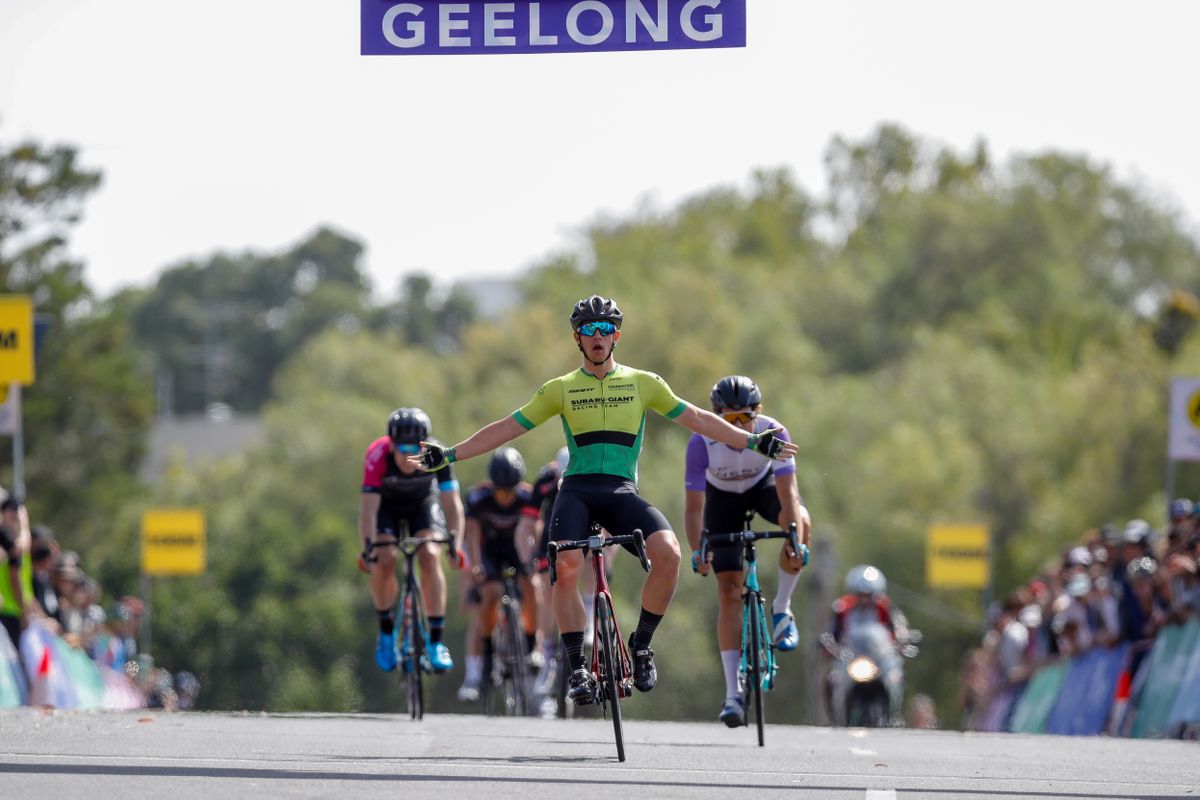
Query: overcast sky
{"points": [[233, 124]]}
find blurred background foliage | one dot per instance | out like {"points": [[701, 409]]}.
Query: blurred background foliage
{"points": [[946, 337]]}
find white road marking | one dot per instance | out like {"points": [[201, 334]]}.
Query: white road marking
{"points": [[881, 794], [858, 751]]}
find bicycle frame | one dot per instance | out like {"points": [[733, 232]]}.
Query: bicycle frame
{"points": [[413, 625], [757, 665], [614, 677]]}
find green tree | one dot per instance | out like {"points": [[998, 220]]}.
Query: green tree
{"points": [[86, 417]]}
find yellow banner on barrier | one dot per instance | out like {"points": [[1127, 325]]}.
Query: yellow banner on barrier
{"points": [[958, 556], [173, 541]]}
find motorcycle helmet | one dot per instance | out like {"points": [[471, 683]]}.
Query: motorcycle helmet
{"points": [[865, 579]]}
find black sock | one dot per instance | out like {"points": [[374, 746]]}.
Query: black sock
{"points": [[573, 645], [530, 642], [387, 622], [647, 623], [437, 629]]}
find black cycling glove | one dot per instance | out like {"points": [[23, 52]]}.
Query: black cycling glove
{"points": [[436, 457], [766, 443]]}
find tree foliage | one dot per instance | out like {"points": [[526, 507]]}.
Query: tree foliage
{"points": [[87, 414]]}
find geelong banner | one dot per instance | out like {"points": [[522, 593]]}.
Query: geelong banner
{"points": [[439, 27]]}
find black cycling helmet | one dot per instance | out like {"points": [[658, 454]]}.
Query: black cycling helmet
{"points": [[408, 426], [735, 391], [595, 309], [506, 468]]}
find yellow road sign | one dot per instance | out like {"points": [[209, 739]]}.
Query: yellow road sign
{"points": [[173, 541], [16, 339], [957, 556]]}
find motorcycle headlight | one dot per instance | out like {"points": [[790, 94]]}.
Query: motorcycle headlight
{"points": [[862, 670]]}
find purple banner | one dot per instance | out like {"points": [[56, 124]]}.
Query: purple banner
{"points": [[442, 27]]}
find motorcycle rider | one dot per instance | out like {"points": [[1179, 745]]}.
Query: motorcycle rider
{"points": [[858, 616]]}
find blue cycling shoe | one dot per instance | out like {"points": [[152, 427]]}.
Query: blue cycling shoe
{"points": [[385, 651], [733, 712], [786, 635], [439, 657]]}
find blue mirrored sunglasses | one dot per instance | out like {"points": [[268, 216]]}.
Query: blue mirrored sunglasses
{"points": [[592, 328], [407, 449]]}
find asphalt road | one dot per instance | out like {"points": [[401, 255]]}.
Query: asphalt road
{"points": [[61, 755]]}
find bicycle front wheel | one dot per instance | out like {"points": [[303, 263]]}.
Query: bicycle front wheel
{"points": [[414, 651], [756, 661], [517, 673], [606, 632]]}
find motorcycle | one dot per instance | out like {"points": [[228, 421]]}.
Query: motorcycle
{"points": [[865, 685]]}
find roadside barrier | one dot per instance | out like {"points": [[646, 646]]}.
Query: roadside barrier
{"points": [[1092, 693], [49, 672]]}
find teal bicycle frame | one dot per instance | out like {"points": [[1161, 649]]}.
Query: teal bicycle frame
{"points": [[757, 666]]}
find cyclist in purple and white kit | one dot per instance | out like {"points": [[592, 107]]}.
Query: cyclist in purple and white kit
{"points": [[722, 484]]}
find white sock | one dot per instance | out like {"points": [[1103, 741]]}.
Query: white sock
{"points": [[729, 661], [474, 669], [783, 597]]}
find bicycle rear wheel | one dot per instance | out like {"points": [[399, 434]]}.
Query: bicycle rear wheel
{"points": [[606, 631], [756, 662]]}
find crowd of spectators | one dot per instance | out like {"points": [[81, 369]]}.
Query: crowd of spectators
{"points": [[1118, 584], [48, 587]]}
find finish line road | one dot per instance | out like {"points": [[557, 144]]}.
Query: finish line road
{"points": [[61, 755]]}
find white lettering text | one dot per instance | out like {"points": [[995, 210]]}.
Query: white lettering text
{"points": [[635, 11], [415, 28], [714, 21], [576, 12], [535, 27], [492, 26], [448, 24]]}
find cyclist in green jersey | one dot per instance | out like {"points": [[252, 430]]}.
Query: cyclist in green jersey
{"points": [[603, 409]]}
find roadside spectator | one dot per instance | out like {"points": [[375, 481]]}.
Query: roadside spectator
{"points": [[44, 551], [186, 689], [1143, 611], [921, 713], [16, 582]]}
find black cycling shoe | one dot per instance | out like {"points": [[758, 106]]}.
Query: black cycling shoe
{"points": [[581, 688], [645, 676]]}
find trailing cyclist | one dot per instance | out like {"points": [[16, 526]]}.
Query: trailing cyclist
{"points": [[545, 492], [603, 408], [723, 483], [501, 525], [397, 496]]}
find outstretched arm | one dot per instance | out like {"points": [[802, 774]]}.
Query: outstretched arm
{"points": [[484, 440], [711, 426]]}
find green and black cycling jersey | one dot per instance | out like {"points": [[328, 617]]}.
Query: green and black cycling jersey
{"points": [[603, 418]]}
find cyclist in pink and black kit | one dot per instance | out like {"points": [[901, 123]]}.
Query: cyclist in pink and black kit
{"points": [[723, 483], [400, 500]]}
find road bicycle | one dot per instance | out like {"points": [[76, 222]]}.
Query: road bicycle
{"points": [[757, 665], [612, 667], [508, 679], [412, 635]]}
